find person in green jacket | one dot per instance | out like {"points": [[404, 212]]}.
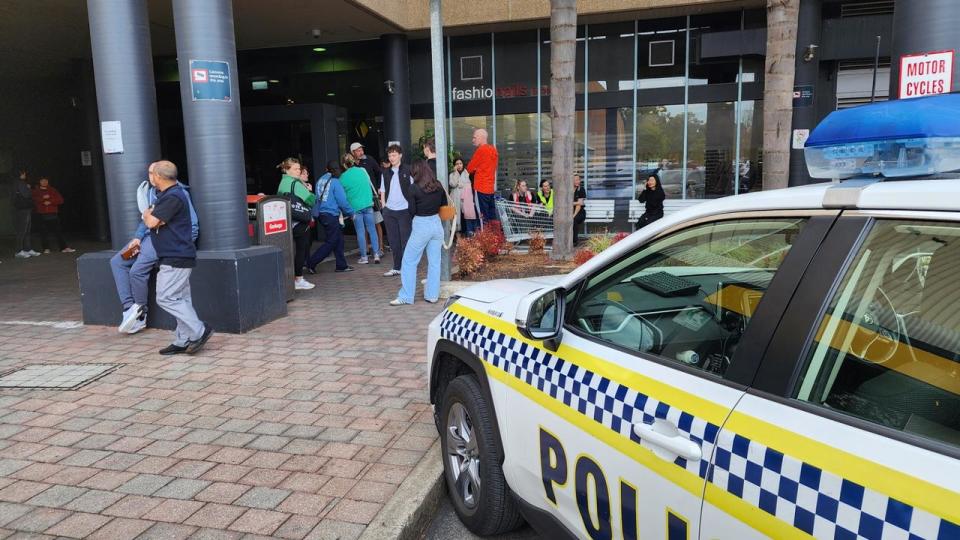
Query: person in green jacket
{"points": [[290, 182], [356, 182]]}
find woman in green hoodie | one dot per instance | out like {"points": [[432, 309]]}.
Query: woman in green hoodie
{"points": [[290, 183], [356, 182]]}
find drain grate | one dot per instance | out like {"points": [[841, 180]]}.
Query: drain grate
{"points": [[55, 376]]}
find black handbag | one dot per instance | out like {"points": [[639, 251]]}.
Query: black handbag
{"points": [[299, 211]]}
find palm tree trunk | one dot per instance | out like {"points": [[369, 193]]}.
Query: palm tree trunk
{"points": [[778, 91], [563, 49]]}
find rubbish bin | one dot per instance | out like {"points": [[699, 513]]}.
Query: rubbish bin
{"points": [[273, 229]]}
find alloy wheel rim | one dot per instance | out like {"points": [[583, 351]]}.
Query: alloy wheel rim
{"points": [[463, 455]]}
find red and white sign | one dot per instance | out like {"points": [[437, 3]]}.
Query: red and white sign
{"points": [[925, 74], [200, 75], [274, 217]]}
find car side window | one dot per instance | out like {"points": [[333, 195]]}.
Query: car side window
{"points": [[689, 296], [887, 348]]}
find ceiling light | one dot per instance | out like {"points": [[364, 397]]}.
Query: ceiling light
{"points": [[330, 94], [274, 81], [319, 49]]}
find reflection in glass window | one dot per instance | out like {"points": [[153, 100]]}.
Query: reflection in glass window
{"points": [[517, 148], [689, 296], [887, 349], [660, 146], [711, 145]]}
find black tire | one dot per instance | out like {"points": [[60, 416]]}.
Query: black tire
{"points": [[494, 509]]}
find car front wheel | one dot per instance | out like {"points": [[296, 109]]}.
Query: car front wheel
{"points": [[471, 461]]}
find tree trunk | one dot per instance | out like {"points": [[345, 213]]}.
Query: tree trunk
{"points": [[563, 49], [778, 91]]}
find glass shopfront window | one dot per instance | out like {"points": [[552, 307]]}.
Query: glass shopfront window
{"points": [[660, 147], [649, 98]]}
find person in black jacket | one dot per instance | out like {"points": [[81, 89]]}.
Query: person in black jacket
{"points": [[426, 197], [652, 196], [394, 194]]}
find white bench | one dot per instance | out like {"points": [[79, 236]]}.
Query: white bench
{"points": [[669, 206], [599, 210]]}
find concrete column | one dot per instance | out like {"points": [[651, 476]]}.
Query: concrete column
{"points": [[806, 74], [925, 26], [396, 76], [212, 128], [123, 70]]}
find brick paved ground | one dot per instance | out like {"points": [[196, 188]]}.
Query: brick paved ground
{"points": [[303, 428]]}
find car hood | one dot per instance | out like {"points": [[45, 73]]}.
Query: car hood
{"points": [[493, 291]]}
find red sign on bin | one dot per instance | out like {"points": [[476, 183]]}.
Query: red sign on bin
{"points": [[274, 227]]}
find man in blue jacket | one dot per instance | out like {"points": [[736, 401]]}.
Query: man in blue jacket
{"points": [[331, 202], [132, 275]]}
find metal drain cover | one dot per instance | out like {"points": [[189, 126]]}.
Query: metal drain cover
{"points": [[55, 376]]}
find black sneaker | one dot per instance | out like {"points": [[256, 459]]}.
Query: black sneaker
{"points": [[173, 349], [194, 346], [347, 269]]}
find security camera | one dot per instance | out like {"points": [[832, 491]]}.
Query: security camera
{"points": [[316, 33]]}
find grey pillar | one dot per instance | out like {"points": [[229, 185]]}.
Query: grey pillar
{"points": [[123, 67], [807, 73], [396, 76], [925, 26], [212, 127]]}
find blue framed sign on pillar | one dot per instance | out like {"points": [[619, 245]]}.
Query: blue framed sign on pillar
{"points": [[209, 80]]}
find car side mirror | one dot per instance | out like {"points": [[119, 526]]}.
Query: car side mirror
{"points": [[540, 316]]}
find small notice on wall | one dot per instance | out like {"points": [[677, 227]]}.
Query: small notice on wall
{"points": [[925, 74], [111, 137], [800, 137], [209, 80], [86, 160]]}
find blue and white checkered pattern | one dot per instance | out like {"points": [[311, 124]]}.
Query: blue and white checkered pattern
{"points": [[813, 500], [613, 405]]}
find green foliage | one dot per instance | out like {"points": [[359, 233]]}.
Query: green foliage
{"points": [[417, 151]]}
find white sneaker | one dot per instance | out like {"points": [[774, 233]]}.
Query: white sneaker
{"points": [[67, 250], [130, 317], [391, 272], [33, 253], [23, 255], [363, 260], [138, 325], [398, 302], [45, 251], [303, 285]]}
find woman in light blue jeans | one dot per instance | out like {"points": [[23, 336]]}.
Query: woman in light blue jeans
{"points": [[360, 193], [363, 222], [426, 196]]}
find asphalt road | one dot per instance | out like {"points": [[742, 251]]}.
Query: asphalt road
{"points": [[446, 525]]}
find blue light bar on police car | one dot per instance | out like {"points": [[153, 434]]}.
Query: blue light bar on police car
{"points": [[908, 137]]}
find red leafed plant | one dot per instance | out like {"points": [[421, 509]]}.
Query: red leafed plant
{"points": [[491, 239], [537, 241], [583, 255], [620, 236], [469, 255]]}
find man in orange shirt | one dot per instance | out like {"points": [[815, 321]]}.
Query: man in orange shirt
{"points": [[483, 169]]}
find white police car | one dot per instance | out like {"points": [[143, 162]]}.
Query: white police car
{"points": [[780, 364]]}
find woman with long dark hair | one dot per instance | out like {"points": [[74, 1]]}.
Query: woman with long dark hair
{"points": [[426, 196], [652, 196]]}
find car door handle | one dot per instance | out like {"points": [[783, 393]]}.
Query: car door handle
{"points": [[665, 436]]}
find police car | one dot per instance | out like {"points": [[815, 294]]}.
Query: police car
{"points": [[780, 364]]}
